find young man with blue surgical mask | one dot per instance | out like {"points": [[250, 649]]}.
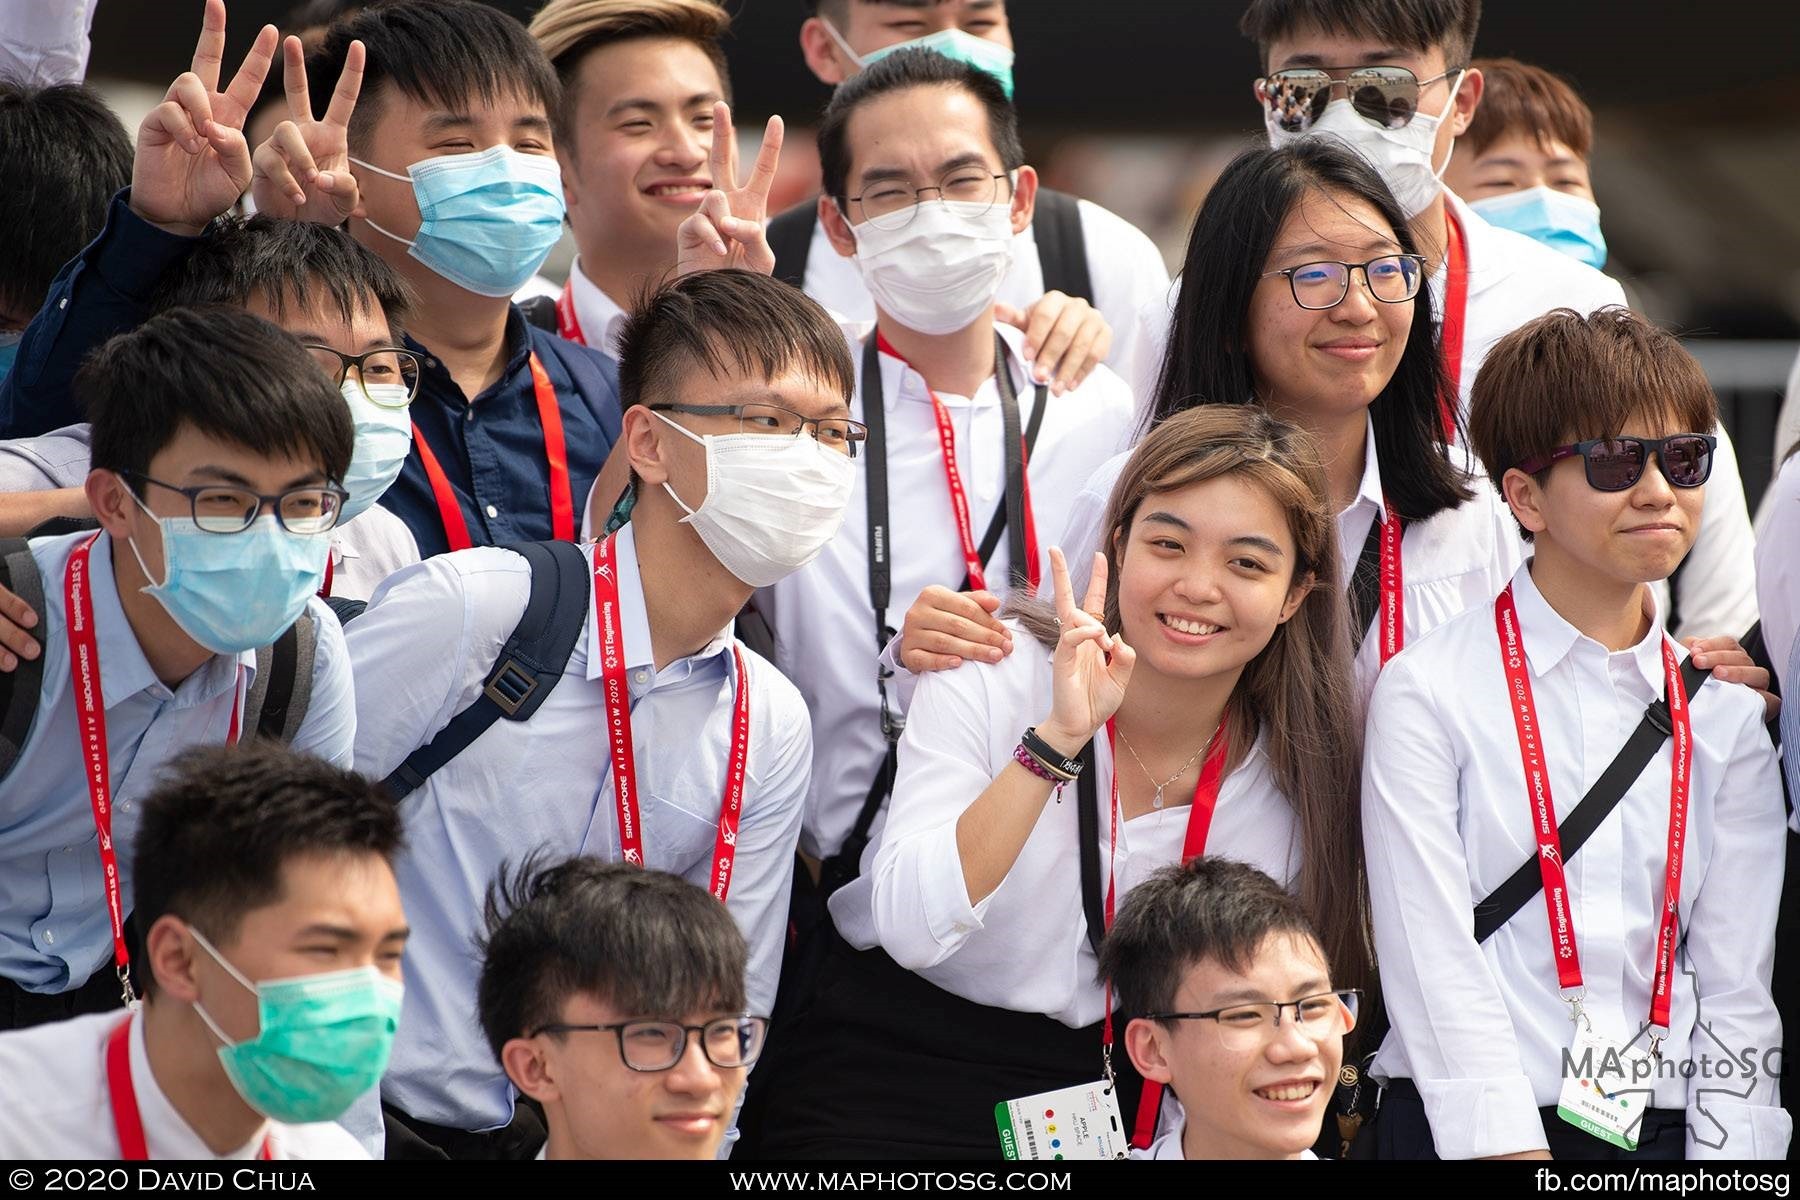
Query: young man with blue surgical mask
{"points": [[458, 189], [1121, 268], [272, 976], [218, 447]]}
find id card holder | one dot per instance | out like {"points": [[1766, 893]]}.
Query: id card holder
{"points": [[1608, 1100], [1070, 1123]]}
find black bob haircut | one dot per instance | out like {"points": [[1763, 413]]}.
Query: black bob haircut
{"points": [[1210, 908], [63, 155], [224, 820], [289, 264], [1208, 358], [1403, 24], [898, 72], [455, 54], [229, 375], [646, 943], [723, 321]]}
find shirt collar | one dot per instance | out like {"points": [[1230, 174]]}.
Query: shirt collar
{"points": [[910, 385], [166, 1131], [1369, 491], [124, 670], [634, 619], [1485, 267], [601, 317], [1549, 638]]}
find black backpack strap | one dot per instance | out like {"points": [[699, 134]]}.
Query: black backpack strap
{"points": [[1507, 899], [791, 237], [528, 667], [540, 311], [21, 688], [1365, 585], [1093, 900], [1061, 244]]}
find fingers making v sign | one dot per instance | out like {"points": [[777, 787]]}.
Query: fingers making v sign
{"points": [[729, 228], [303, 170], [1091, 667]]}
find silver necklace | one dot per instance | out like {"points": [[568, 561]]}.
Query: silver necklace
{"points": [[1157, 800]]}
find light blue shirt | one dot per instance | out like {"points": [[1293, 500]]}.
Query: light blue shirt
{"points": [[420, 652], [54, 928]]}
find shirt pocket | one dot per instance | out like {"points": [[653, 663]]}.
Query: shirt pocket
{"points": [[681, 825], [76, 931]]}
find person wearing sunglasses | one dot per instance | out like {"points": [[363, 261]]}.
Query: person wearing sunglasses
{"points": [[1231, 1006], [614, 997], [1649, 942]]}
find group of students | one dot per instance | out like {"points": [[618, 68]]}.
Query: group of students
{"points": [[905, 645]]}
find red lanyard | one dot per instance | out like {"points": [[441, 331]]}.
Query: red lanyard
{"points": [[1456, 305], [959, 500], [1193, 845], [618, 728], [556, 454], [90, 703], [1549, 840], [325, 588], [1393, 584], [126, 1119], [567, 323]]}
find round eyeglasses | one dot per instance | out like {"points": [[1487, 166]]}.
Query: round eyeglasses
{"points": [[729, 1043], [222, 508], [1248, 1026], [890, 204], [388, 376], [1391, 279]]}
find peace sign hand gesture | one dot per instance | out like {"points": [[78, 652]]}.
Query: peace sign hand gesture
{"points": [[1091, 667], [303, 170], [192, 162], [729, 229]]}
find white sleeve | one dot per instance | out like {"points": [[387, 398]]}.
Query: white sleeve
{"points": [[44, 42], [1445, 1004], [1778, 566], [1152, 323], [1128, 272], [1715, 594]]}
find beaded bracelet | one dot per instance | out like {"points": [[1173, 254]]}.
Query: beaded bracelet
{"points": [[1029, 761]]}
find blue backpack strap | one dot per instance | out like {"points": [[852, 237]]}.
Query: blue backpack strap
{"points": [[20, 690], [529, 665]]}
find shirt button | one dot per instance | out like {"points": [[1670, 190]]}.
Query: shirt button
{"points": [[468, 414], [641, 676], [432, 363], [492, 511], [49, 937], [962, 928]]}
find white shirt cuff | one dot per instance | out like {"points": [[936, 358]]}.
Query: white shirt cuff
{"points": [[1479, 1118]]}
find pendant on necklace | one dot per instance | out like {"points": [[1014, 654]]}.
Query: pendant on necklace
{"points": [[1157, 801]]}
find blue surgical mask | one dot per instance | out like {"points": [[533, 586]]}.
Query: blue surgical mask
{"points": [[233, 592], [383, 440], [487, 219], [978, 52], [1557, 219], [9, 348]]}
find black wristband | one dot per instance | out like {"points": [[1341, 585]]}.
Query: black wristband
{"points": [[1041, 750]]}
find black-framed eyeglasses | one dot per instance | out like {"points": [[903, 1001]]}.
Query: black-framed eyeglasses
{"points": [[891, 204], [834, 433], [1614, 464], [1386, 97], [1327, 1014], [1391, 279], [650, 1045], [388, 375], [221, 508]]}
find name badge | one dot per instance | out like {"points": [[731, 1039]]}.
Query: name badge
{"points": [[1609, 1103], [1070, 1123]]}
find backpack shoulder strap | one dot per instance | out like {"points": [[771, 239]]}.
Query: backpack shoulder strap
{"points": [[791, 237], [529, 665], [1062, 245], [283, 706], [19, 690]]}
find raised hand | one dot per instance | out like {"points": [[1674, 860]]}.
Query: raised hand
{"points": [[303, 170], [1065, 338], [1091, 667], [192, 161], [729, 228]]}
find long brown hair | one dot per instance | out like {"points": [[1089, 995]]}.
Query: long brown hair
{"points": [[1297, 692]]}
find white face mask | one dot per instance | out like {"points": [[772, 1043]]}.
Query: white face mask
{"points": [[943, 270], [772, 502], [1401, 156]]}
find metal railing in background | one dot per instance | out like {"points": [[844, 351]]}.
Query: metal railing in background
{"points": [[1750, 379]]}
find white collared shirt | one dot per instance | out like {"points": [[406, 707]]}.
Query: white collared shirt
{"points": [[822, 615], [1778, 568], [72, 1118], [1168, 1146], [1125, 266], [421, 653], [46, 43], [602, 318], [1446, 819], [1024, 946]]}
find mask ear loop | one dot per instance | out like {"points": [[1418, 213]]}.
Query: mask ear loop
{"points": [[707, 446], [150, 580], [408, 179], [211, 1025], [842, 44]]}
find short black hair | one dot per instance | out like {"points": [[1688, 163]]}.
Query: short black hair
{"points": [[1210, 908], [231, 376], [63, 155], [1407, 24], [647, 943], [897, 72], [286, 262], [446, 52], [720, 320], [224, 820]]}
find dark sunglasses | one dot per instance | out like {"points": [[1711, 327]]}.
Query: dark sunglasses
{"points": [[1386, 97], [1614, 464]]}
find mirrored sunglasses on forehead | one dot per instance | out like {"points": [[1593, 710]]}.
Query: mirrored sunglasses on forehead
{"points": [[1386, 97]]}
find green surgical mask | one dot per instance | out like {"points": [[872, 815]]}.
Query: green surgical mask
{"points": [[324, 1040], [955, 44]]}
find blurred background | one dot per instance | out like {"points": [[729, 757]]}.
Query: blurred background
{"points": [[1137, 104]]}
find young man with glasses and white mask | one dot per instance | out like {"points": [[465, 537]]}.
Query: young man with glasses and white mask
{"points": [[615, 998], [741, 447], [217, 452]]}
